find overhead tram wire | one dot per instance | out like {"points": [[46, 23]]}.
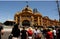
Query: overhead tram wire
{"points": [[58, 9]]}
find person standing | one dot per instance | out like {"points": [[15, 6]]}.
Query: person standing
{"points": [[23, 33], [49, 34], [15, 32], [37, 33], [58, 33], [30, 33], [54, 33], [1, 30], [44, 32]]}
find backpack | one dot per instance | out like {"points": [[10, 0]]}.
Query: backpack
{"points": [[30, 33]]}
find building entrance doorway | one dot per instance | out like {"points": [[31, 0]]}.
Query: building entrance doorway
{"points": [[26, 23]]}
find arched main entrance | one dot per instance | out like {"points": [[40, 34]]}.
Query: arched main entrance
{"points": [[26, 23]]}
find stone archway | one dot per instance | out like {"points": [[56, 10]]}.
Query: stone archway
{"points": [[26, 23]]}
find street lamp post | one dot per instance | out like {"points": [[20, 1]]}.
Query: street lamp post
{"points": [[58, 9]]}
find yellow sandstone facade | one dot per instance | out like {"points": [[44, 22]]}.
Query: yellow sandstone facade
{"points": [[28, 17]]}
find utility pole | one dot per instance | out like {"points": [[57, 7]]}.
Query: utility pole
{"points": [[58, 9]]}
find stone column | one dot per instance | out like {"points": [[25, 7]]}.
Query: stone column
{"points": [[41, 21], [47, 22], [32, 20], [16, 19], [20, 21], [38, 21]]}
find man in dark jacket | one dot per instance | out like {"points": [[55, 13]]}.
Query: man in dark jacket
{"points": [[23, 33]]}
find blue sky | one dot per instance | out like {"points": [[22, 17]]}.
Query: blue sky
{"points": [[9, 8], [29, 0]]}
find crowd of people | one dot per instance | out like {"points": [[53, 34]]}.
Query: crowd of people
{"points": [[33, 33]]}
